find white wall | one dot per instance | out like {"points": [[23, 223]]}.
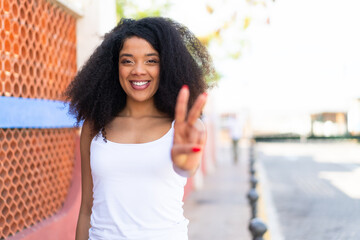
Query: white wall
{"points": [[98, 17], [354, 117]]}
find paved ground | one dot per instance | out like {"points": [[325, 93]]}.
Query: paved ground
{"points": [[220, 210], [315, 188]]}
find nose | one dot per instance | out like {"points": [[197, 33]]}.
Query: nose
{"points": [[138, 69]]}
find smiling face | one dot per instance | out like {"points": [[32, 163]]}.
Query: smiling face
{"points": [[139, 69]]}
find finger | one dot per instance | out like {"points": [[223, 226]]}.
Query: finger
{"points": [[184, 156], [193, 135], [179, 133], [186, 149], [181, 105], [196, 109], [201, 138]]}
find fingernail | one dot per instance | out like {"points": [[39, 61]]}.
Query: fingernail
{"points": [[185, 86], [196, 149]]}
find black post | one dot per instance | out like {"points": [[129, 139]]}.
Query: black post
{"points": [[256, 226], [253, 181], [257, 229], [253, 196]]}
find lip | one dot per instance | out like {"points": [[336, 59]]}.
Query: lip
{"points": [[139, 87]]}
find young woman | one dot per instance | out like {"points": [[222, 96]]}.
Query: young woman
{"points": [[140, 95]]}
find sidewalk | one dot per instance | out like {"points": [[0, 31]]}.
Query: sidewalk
{"points": [[220, 209]]}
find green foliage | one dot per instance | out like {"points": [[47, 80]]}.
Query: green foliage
{"points": [[133, 9], [214, 79]]}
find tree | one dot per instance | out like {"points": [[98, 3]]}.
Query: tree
{"points": [[137, 9]]}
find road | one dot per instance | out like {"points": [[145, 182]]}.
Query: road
{"points": [[314, 188]]}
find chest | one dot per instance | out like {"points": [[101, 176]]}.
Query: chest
{"points": [[126, 161], [127, 131]]}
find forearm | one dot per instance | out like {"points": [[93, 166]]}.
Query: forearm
{"points": [[83, 226]]}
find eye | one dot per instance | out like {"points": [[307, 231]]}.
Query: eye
{"points": [[126, 61], [152, 61]]}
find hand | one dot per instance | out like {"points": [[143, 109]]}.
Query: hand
{"points": [[189, 132]]}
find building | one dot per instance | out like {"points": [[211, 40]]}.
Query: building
{"points": [[328, 124]]}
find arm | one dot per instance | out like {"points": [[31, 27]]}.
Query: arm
{"points": [[189, 135], [83, 224]]}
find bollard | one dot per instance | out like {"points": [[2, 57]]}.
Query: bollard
{"points": [[252, 151], [252, 162], [253, 196], [253, 181], [252, 170], [257, 228], [251, 159], [251, 156]]}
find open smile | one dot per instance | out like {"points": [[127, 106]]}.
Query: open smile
{"points": [[139, 85]]}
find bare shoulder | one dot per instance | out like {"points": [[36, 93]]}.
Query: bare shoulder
{"points": [[87, 125], [86, 131]]}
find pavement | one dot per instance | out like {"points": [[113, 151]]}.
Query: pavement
{"points": [[220, 209], [314, 188]]}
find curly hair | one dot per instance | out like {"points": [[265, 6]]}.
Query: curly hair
{"points": [[95, 93]]}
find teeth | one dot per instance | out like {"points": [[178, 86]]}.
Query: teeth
{"points": [[139, 83]]}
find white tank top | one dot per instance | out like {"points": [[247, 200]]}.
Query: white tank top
{"points": [[137, 194]]}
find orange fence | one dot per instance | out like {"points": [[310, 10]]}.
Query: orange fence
{"points": [[38, 60], [36, 170], [38, 49]]}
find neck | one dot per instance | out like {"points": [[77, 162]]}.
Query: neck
{"points": [[140, 109]]}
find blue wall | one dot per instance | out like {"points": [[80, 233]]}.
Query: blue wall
{"points": [[34, 113]]}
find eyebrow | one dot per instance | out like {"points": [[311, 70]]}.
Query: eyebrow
{"points": [[130, 55]]}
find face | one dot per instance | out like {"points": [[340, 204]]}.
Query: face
{"points": [[139, 69]]}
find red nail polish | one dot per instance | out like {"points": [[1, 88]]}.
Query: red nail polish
{"points": [[196, 149], [185, 86]]}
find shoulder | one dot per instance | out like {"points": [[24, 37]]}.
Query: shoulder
{"points": [[87, 132], [87, 127]]}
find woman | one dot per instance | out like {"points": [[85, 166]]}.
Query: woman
{"points": [[139, 142]]}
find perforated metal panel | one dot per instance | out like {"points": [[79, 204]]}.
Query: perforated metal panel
{"points": [[38, 49]]}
